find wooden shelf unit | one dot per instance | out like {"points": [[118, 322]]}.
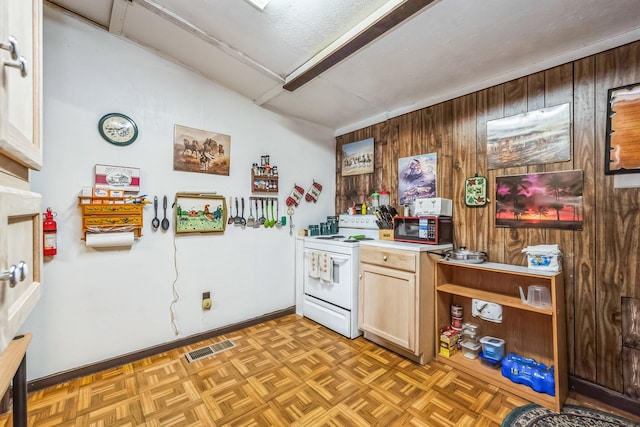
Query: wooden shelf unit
{"points": [[538, 333], [107, 216], [264, 183]]}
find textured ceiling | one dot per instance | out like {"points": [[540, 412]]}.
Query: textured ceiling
{"points": [[448, 49]]}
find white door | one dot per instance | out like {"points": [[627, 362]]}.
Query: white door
{"points": [[20, 152]]}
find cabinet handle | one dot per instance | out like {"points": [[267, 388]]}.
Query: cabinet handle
{"points": [[15, 274], [11, 46], [20, 64], [384, 258]]}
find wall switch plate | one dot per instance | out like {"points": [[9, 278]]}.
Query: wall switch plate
{"points": [[486, 310]]}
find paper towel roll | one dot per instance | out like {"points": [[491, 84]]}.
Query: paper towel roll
{"points": [[110, 240]]}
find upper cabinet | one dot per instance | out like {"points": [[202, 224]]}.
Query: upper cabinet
{"points": [[20, 86]]}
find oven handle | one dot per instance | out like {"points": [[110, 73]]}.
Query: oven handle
{"points": [[333, 257]]}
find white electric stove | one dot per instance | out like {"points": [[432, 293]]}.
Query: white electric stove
{"points": [[330, 283]]}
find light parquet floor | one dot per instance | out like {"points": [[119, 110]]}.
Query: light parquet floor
{"points": [[286, 372]]}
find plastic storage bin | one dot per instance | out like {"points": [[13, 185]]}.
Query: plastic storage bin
{"points": [[470, 349], [492, 348]]}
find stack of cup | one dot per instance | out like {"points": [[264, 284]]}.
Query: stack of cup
{"points": [[456, 317]]}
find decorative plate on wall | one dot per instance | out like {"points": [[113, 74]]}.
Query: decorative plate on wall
{"points": [[475, 191]]}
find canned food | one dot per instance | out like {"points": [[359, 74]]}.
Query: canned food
{"points": [[456, 310]]}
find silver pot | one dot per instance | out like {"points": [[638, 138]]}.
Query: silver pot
{"points": [[463, 255]]}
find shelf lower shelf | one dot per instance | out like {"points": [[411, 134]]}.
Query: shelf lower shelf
{"points": [[491, 296], [494, 376]]}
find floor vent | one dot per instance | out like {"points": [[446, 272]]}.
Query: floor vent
{"points": [[209, 350]]}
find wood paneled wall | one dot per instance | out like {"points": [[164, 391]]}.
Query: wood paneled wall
{"points": [[601, 262]]}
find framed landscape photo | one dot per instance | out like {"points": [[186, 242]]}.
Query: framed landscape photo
{"points": [[200, 213], [540, 200], [357, 157], [531, 138], [622, 152]]}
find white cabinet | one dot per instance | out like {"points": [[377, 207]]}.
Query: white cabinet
{"points": [[396, 307], [20, 94]]}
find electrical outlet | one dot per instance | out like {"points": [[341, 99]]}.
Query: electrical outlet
{"points": [[486, 310], [206, 301]]}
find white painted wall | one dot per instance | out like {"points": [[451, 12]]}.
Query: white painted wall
{"points": [[99, 304]]}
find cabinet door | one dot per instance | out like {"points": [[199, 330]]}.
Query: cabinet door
{"points": [[387, 305], [20, 240], [20, 97]]}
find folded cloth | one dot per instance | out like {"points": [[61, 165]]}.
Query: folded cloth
{"points": [[314, 267], [326, 267]]}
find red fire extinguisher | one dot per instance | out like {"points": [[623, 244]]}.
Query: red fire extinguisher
{"points": [[49, 235]]}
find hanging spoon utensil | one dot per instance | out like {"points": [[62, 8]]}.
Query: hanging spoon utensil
{"points": [[236, 219], [243, 222], [273, 219], [155, 222], [165, 220]]}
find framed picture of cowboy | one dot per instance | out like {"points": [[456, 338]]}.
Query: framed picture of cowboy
{"points": [[201, 151]]}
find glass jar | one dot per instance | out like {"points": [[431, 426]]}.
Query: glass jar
{"points": [[384, 198], [375, 200]]}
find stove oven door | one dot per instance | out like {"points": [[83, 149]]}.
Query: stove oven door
{"points": [[338, 290]]}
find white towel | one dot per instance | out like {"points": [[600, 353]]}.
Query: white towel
{"points": [[326, 267], [314, 268]]}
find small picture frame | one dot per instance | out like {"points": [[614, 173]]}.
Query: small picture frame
{"points": [[200, 213], [475, 191]]}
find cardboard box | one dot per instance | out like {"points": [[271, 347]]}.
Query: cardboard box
{"points": [[385, 234], [100, 192], [544, 262], [447, 351]]}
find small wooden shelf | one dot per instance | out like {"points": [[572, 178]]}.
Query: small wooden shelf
{"points": [[264, 183], [509, 301]]}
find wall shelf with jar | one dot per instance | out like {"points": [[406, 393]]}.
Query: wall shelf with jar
{"points": [[264, 177]]}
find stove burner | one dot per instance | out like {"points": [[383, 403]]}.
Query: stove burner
{"points": [[331, 237], [357, 240]]}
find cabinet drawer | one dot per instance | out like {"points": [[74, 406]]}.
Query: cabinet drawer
{"points": [[396, 259], [111, 209], [109, 221]]}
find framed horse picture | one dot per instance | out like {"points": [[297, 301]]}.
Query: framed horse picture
{"points": [[201, 151]]}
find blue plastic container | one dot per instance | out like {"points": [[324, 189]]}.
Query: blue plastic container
{"points": [[526, 371], [492, 348]]}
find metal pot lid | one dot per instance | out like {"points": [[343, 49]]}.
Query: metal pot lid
{"points": [[463, 251]]}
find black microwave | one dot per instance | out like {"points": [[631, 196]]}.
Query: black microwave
{"points": [[431, 230]]}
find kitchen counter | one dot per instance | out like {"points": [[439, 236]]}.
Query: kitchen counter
{"points": [[417, 247]]}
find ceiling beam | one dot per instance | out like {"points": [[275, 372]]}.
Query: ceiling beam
{"points": [[342, 48]]}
